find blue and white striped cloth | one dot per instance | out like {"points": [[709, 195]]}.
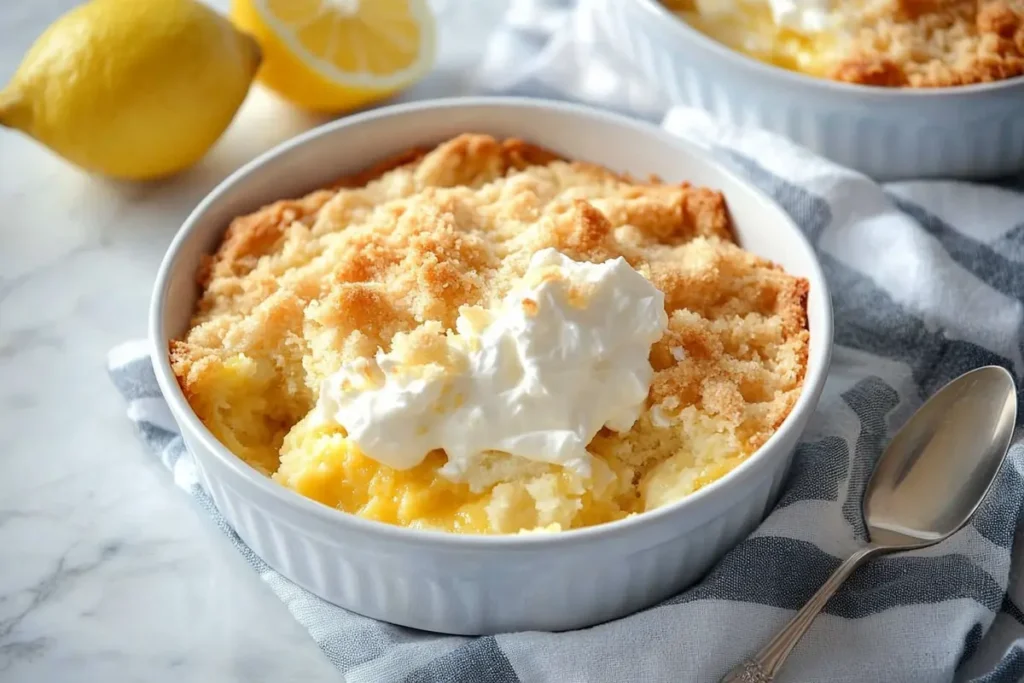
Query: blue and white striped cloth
{"points": [[927, 281]]}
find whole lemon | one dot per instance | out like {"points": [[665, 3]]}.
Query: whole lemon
{"points": [[132, 89]]}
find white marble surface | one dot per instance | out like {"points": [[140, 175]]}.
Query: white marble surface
{"points": [[107, 571]]}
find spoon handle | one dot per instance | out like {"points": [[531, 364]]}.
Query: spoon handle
{"points": [[762, 667]]}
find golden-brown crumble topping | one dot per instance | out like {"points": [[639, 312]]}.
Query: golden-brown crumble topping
{"points": [[936, 43], [887, 43], [301, 286]]}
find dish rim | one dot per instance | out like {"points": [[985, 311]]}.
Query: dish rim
{"points": [[905, 96], [815, 375]]}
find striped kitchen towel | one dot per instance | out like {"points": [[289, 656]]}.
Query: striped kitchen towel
{"points": [[927, 281]]}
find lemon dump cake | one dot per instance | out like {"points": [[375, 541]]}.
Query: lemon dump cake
{"points": [[485, 338], [889, 43]]}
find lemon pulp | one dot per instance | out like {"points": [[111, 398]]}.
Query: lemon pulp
{"points": [[336, 55]]}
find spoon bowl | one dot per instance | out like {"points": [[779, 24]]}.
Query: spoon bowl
{"points": [[939, 466], [927, 485]]}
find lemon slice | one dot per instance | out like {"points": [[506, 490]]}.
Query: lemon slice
{"points": [[335, 55]]}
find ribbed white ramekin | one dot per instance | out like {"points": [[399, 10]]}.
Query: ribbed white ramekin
{"points": [[972, 131], [480, 584]]}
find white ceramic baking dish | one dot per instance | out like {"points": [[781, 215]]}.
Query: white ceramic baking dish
{"points": [[973, 131], [484, 584]]}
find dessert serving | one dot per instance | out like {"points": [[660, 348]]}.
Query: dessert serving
{"points": [[483, 337], [890, 43]]}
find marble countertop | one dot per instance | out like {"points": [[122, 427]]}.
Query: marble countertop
{"points": [[107, 570]]}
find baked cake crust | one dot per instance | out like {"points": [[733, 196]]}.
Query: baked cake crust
{"points": [[303, 285]]}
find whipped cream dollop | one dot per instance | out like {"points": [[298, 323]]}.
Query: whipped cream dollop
{"points": [[803, 16], [566, 353]]}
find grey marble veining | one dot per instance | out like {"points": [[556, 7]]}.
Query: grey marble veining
{"points": [[107, 571]]}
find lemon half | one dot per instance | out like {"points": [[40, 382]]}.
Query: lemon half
{"points": [[336, 55]]}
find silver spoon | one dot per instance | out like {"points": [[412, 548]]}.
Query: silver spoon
{"points": [[926, 486]]}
